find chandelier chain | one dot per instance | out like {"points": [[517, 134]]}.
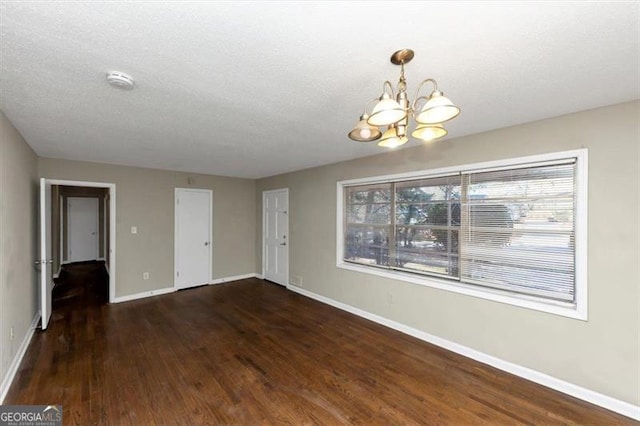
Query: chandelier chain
{"points": [[402, 83]]}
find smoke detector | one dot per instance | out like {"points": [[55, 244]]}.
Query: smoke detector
{"points": [[120, 80]]}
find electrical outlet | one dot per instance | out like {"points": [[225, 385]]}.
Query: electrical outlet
{"points": [[12, 334], [145, 275]]}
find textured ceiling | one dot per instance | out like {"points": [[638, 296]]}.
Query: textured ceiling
{"points": [[255, 89]]}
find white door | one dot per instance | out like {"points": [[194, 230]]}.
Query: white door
{"points": [[275, 220], [193, 237], [45, 261], [82, 228]]}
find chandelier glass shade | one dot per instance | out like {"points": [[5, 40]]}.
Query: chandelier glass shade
{"points": [[393, 110], [364, 132], [429, 132], [390, 139]]}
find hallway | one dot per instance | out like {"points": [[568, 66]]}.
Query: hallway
{"points": [[81, 284]]}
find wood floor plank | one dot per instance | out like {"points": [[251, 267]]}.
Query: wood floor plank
{"points": [[251, 352]]}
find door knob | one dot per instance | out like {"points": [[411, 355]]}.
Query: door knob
{"points": [[283, 244], [37, 262], [206, 243]]}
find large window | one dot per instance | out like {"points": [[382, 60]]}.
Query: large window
{"points": [[510, 231]]}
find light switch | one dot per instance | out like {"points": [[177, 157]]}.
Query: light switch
{"points": [[134, 229]]}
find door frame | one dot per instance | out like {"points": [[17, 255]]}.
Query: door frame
{"points": [[112, 225], [97, 227], [264, 223], [175, 232]]}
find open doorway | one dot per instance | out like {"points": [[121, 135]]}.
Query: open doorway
{"points": [[77, 245], [79, 229], [79, 225]]}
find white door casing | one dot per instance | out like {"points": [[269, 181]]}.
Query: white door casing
{"points": [[45, 232], [193, 237], [275, 236], [46, 260], [82, 228]]}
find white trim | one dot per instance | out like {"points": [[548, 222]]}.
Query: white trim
{"points": [[168, 290], [264, 196], [144, 295], [46, 293], [543, 379], [112, 225], [233, 278], [61, 228], [104, 225], [175, 233], [263, 232], [17, 359], [260, 276], [486, 165], [521, 300], [581, 234], [576, 311], [340, 223]]}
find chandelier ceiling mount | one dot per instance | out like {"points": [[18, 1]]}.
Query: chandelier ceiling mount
{"points": [[403, 56]]}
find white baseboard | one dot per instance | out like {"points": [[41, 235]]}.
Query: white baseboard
{"points": [[17, 359], [234, 278], [143, 295], [106, 267], [260, 276], [167, 290], [588, 395], [101, 259]]}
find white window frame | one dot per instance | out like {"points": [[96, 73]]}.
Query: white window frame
{"points": [[577, 310]]}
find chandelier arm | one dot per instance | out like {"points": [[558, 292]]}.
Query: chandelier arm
{"points": [[420, 86], [415, 103], [388, 83], [369, 103]]}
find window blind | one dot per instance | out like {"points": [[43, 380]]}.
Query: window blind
{"points": [[511, 229], [518, 230]]}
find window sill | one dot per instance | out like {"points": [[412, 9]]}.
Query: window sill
{"points": [[523, 301]]}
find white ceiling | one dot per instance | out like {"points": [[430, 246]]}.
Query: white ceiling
{"points": [[255, 89]]}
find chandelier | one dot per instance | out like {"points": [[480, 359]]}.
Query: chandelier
{"points": [[394, 113]]}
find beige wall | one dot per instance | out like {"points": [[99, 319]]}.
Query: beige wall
{"points": [[145, 198], [18, 240], [601, 354]]}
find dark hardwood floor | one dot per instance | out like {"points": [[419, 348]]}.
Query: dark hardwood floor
{"points": [[81, 284], [251, 352]]}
